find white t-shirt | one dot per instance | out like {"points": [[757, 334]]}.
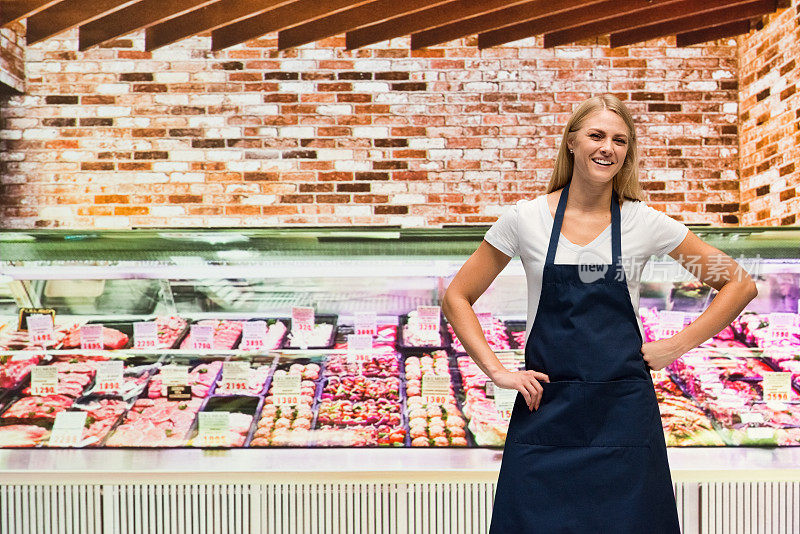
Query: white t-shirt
{"points": [[524, 231]]}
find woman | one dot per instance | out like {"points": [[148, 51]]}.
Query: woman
{"points": [[585, 450]]}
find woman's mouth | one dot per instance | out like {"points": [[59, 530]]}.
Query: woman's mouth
{"points": [[602, 162]]}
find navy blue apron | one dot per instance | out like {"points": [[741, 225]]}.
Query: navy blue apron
{"points": [[592, 459]]}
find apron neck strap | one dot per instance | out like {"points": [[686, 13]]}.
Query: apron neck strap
{"points": [[616, 239]]}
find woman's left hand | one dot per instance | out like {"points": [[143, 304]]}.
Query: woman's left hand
{"points": [[661, 353]]}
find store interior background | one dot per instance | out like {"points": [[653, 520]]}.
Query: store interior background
{"points": [[117, 137]]}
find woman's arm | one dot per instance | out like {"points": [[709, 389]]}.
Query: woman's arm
{"points": [[735, 290], [474, 277]]}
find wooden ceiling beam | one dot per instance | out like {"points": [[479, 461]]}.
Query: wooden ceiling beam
{"points": [[207, 18], [278, 19], [351, 19], [713, 33], [136, 17], [68, 14], [694, 22], [14, 10], [423, 20], [530, 11], [653, 15]]}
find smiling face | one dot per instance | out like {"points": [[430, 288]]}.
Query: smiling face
{"points": [[599, 146]]}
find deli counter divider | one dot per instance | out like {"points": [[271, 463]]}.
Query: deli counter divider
{"points": [[445, 485]]}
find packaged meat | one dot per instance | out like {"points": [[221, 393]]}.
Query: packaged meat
{"points": [[22, 435], [156, 423], [112, 339], [226, 334], [14, 368], [497, 337], [435, 425], [202, 377], [415, 335]]}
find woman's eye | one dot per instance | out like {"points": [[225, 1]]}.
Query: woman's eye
{"points": [[594, 136], [621, 141]]}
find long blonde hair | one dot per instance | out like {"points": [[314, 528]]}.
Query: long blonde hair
{"points": [[626, 181]]}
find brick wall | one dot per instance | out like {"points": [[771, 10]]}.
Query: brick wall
{"points": [[119, 137], [769, 120], [12, 59]]}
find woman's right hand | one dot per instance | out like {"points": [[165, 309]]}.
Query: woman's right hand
{"points": [[526, 382]]}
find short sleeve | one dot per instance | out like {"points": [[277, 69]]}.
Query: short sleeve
{"points": [[664, 232], [503, 234]]}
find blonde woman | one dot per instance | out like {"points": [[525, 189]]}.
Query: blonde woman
{"points": [[585, 451]]}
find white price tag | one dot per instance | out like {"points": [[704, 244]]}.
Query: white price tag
{"points": [[201, 337], [175, 375], [670, 323], [109, 376], [213, 429], [145, 335], [254, 335], [67, 429], [303, 319], [751, 417], [486, 319], [504, 400], [365, 323], [435, 388], [286, 390], [429, 317], [781, 325], [92, 337], [359, 347], [760, 432], [44, 380], [777, 386], [659, 376], [234, 376], [40, 329]]}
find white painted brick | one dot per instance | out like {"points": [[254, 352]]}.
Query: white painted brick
{"points": [[269, 132], [702, 86], [51, 66], [150, 178], [190, 222], [21, 123], [317, 53], [113, 111], [426, 143], [220, 221], [171, 77], [450, 153], [172, 53], [334, 109], [113, 88], [206, 100], [480, 87], [352, 210], [431, 166], [263, 109], [295, 131], [245, 99], [296, 87], [298, 65], [260, 200], [200, 121], [224, 155], [352, 166], [256, 155], [244, 166], [723, 74], [478, 154], [186, 155], [114, 66], [56, 212], [572, 53], [489, 176], [730, 107], [407, 222], [133, 122], [665, 174], [408, 199], [371, 131], [391, 98], [174, 99], [187, 177], [208, 76], [223, 133], [326, 154], [167, 211], [75, 155], [371, 65], [170, 166], [10, 134], [370, 87], [111, 222], [40, 133]]}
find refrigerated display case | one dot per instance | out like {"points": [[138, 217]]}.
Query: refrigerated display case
{"points": [[362, 418]]}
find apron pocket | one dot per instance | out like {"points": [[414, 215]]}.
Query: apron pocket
{"points": [[557, 422], [619, 413]]}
